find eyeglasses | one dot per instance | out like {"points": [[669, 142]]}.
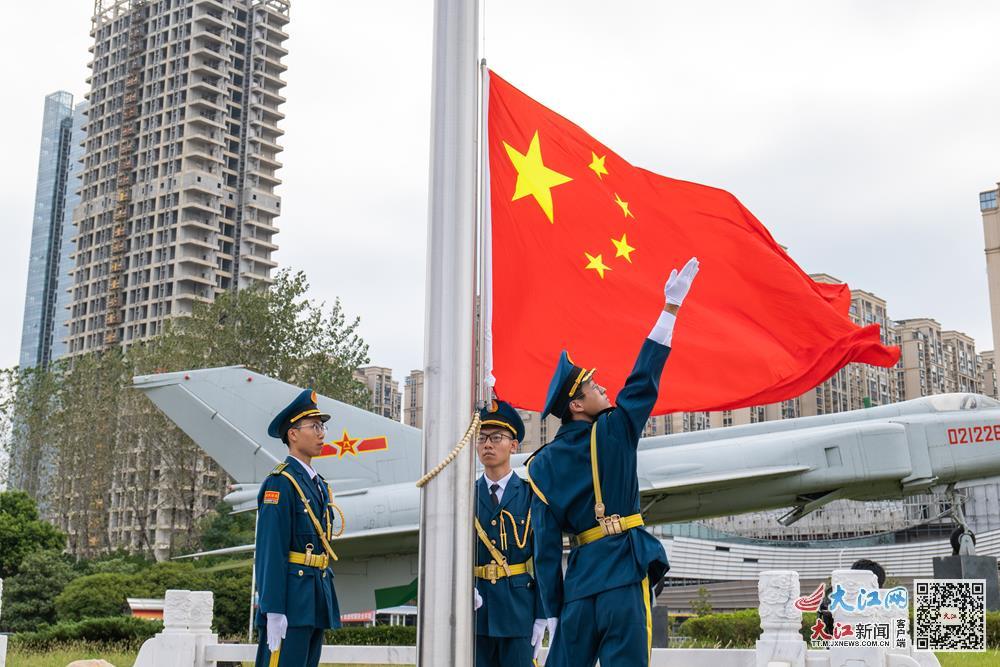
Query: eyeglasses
{"points": [[495, 438], [315, 426], [581, 392]]}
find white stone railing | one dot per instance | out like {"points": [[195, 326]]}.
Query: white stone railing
{"points": [[187, 639]]}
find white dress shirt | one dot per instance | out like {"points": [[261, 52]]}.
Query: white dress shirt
{"points": [[502, 482]]}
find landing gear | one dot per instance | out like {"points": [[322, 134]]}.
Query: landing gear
{"points": [[963, 540]]}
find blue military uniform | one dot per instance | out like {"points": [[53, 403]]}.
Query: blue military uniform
{"points": [[293, 559], [510, 602], [603, 602]]}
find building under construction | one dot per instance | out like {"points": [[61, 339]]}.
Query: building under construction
{"points": [[177, 205], [177, 201]]}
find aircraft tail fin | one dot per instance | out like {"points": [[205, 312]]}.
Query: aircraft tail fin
{"points": [[226, 412]]}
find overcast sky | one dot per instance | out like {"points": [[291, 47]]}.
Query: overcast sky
{"points": [[860, 133]]}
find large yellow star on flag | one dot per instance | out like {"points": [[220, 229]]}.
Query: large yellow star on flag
{"points": [[624, 205], [597, 264], [623, 249], [533, 177], [597, 164]]}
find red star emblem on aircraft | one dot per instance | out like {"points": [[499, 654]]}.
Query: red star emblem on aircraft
{"points": [[347, 444]]}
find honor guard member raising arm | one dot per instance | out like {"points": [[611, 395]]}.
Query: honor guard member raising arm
{"points": [[506, 596], [293, 557], [585, 485]]}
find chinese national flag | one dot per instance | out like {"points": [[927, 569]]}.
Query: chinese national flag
{"points": [[582, 243]]}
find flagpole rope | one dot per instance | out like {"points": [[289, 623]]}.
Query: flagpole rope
{"points": [[470, 433]]}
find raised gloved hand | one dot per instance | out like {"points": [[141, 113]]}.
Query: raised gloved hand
{"points": [[537, 632], [678, 284], [277, 625], [477, 600]]}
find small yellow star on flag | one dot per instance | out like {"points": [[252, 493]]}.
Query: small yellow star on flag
{"points": [[597, 264], [624, 205], [597, 164], [533, 177], [623, 249]]}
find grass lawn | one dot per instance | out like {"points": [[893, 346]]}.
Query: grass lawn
{"points": [[988, 659], [63, 656]]}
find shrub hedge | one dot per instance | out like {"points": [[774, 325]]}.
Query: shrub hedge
{"points": [[118, 630], [380, 635]]}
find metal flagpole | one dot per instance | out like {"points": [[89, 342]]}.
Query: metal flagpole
{"points": [[444, 620], [253, 582]]}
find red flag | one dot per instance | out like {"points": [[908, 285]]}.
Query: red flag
{"points": [[582, 243]]}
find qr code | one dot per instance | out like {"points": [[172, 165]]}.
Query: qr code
{"points": [[949, 614]]}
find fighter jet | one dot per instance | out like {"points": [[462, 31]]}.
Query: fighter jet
{"points": [[884, 452]]}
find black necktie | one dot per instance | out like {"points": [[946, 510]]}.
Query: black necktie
{"points": [[493, 494], [319, 486]]}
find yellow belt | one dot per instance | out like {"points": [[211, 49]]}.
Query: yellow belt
{"points": [[322, 561], [495, 571], [612, 525]]}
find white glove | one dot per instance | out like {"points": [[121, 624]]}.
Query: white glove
{"points": [[678, 284], [537, 632], [277, 624], [478, 600]]}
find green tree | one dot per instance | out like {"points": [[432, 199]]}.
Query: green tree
{"points": [[155, 581], [29, 596], [220, 529], [702, 605], [96, 596], [80, 419], [86, 421], [22, 533], [275, 330], [231, 594], [27, 401], [118, 562]]}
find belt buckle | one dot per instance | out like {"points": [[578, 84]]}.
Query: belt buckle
{"points": [[612, 525], [492, 572], [312, 560]]}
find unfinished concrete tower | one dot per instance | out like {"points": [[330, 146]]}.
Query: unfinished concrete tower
{"points": [[177, 201]]}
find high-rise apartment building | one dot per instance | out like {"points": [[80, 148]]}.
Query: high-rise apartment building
{"points": [[991, 233], [41, 333], [177, 198], [988, 374], [921, 370], [177, 204], [386, 398], [961, 366], [413, 399]]}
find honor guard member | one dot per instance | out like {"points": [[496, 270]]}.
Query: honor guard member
{"points": [[585, 485], [293, 556], [508, 618]]}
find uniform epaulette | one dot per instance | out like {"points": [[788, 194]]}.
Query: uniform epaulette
{"points": [[278, 468]]}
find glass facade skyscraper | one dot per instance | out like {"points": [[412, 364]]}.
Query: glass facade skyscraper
{"points": [[47, 233], [64, 296]]}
